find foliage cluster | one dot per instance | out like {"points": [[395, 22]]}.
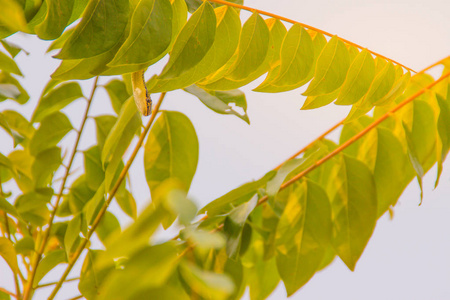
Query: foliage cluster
{"points": [[286, 226]]}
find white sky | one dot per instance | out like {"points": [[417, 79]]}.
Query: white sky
{"points": [[408, 257]]}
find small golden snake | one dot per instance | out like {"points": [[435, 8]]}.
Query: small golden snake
{"points": [[140, 93]]}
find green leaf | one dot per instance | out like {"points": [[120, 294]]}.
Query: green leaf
{"points": [[219, 101], [32, 207], [297, 59], [25, 246], [235, 197], [118, 139], [12, 18], [103, 125], [203, 239], [51, 260], [312, 102], [59, 42], [8, 90], [56, 99], [234, 225], [8, 64], [331, 69], [193, 42], [171, 151], [359, 78], [443, 127], [126, 201], [117, 92], [53, 128], [44, 166], [12, 48], [6, 78], [414, 159], [94, 35], [79, 194], [108, 228], [56, 20], [303, 233], [7, 207], [91, 276], [222, 49], [72, 233], [207, 284], [354, 209], [8, 253], [93, 168], [150, 34]]}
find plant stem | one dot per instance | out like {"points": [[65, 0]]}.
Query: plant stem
{"points": [[38, 254], [262, 12], [102, 211], [356, 137], [8, 292], [56, 282]]}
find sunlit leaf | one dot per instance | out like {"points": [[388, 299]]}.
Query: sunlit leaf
{"points": [[12, 18], [331, 69], [6, 78], [359, 77], [193, 42], [443, 127], [32, 207], [7, 64], [45, 164]]}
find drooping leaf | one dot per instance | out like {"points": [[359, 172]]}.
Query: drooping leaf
{"points": [[312, 102], [443, 127], [56, 99], [219, 101], [12, 48], [193, 42], [171, 150], [126, 201], [93, 168], [45, 164], [103, 125], [150, 34], [331, 69], [32, 207], [303, 233], [354, 209], [72, 233], [94, 35], [12, 18], [56, 20], [6, 78], [7, 64]]}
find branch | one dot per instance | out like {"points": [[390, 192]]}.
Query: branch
{"points": [[56, 282], [262, 12], [357, 136], [40, 251], [8, 292], [97, 220]]}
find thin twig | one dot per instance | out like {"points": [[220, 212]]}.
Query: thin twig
{"points": [[262, 12], [40, 251], [8, 234], [56, 282], [113, 191], [8, 292]]}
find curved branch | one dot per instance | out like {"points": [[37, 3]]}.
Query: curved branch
{"points": [[262, 12], [357, 136], [102, 211]]}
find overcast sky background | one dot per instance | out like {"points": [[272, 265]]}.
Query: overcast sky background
{"points": [[407, 257]]}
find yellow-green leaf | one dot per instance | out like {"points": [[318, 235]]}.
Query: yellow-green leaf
{"points": [[56, 20]]}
